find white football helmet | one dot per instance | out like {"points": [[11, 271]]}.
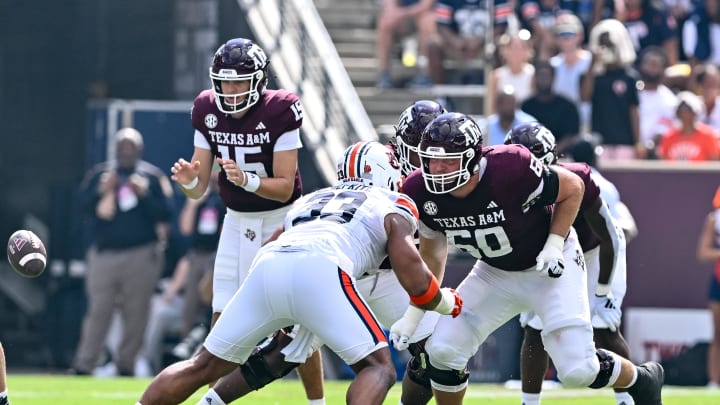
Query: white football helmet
{"points": [[370, 163]]}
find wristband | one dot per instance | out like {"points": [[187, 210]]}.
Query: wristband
{"points": [[602, 290], [190, 185], [447, 302], [428, 295], [252, 182]]}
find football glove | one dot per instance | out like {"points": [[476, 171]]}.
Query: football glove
{"points": [[551, 258], [607, 309], [450, 304], [402, 330]]}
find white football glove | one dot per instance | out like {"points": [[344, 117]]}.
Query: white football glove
{"points": [[402, 330], [607, 309], [551, 258]]}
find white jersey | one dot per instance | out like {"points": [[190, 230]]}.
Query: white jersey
{"points": [[346, 223]]}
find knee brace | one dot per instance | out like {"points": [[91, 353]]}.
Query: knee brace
{"points": [[448, 378], [417, 365], [607, 369], [266, 364]]}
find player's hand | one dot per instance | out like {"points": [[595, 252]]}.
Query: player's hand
{"points": [[551, 258], [402, 330], [234, 174], [607, 309], [185, 172], [450, 304]]}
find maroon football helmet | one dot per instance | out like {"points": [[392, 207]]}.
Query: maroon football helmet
{"points": [[450, 136], [537, 138], [239, 59], [409, 129]]}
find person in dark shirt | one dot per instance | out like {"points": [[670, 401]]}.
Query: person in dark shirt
{"points": [[557, 113], [611, 85], [129, 202]]}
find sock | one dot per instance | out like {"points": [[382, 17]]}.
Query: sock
{"points": [[530, 399], [624, 398], [211, 398], [320, 401], [633, 380]]}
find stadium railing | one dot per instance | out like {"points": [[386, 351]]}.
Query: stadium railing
{"points": [[305, 60]]}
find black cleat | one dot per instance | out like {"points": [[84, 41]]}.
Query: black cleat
{"points": [[647, 389]]}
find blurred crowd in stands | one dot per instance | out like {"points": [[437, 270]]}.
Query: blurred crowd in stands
{"points": [[641, 75]]}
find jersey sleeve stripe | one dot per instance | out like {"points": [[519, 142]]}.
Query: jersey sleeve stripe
{"points": [[361, 308], [409, 206]]}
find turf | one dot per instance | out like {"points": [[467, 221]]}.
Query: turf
{"points": [[36, 389]]}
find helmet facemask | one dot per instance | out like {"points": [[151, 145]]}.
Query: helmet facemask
{"points": [[243, 100], [441, 183]]}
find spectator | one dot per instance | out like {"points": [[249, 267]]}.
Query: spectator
{"points": [[554, 111], [517, 71], [692, 140], [571, 63], [708, 85], [708, 251], [178, 309], [611, 85], [393, 20], [164, 320], [129, 201], [463, 28], [700, 34], [507, 116], [649, 23], [3, 383], [540, 18], [657, 102]]}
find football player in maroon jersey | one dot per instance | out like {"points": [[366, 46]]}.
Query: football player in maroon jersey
{"points": [[515, 215], [603, 246], [253, 133]]}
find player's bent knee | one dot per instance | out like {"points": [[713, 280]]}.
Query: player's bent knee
{"points": [[267, 364], [579, 374], [417, 365], [609, 370], [443, 353], [447, 380]]}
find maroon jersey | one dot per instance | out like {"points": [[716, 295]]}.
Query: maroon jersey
{"points": [[249, 141], [500, 221], [586, 236]]}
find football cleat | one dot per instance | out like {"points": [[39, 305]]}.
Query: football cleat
{"points": [[647, 389]]}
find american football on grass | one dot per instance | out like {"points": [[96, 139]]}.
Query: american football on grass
{"points": [[26, 253]]}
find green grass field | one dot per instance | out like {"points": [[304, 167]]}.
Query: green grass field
{"points": [[37, 389]]}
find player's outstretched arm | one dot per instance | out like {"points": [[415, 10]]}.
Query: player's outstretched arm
{"points": [[611, 238], [567, 203], [193, 176], [412, 272]]}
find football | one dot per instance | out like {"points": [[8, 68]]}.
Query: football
{"points": [[26, 253]]}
